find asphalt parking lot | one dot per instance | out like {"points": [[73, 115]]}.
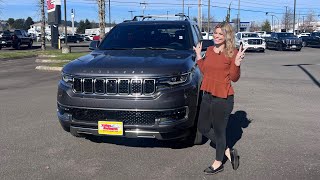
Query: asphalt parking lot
{"points": [[277, 105]]}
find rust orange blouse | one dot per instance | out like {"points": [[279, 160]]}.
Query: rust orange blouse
{"points": [[218, 72]]}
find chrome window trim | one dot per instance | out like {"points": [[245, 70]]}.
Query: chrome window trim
{"points": [[104, 86], [141, 83], [107, 87]]}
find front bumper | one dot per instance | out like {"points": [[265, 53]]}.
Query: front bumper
{"points": [[291, 46], [258, 47], [175, 100]]}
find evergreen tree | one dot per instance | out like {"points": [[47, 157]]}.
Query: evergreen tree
{"points": [[266, 26]]}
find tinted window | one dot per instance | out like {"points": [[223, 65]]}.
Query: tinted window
{"points": [[316, 34], [17, 32], [172, 36], [246, 35], [286, 35]]}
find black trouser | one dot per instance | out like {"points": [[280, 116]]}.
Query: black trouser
{"points": [[213, 119]]}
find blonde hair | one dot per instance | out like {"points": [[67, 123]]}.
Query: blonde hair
{"points": [[228, 33]]}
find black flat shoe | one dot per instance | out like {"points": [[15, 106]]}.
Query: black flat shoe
{"points": [[234, 158], [210, 170]]}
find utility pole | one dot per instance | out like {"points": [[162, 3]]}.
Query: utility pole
{"points": [[294, 17], [65, 23], [188, 11], [109, 15], [303, 23], [72, 20], [183, 6], [286, 19], [208, 17], [199, 15], [272, 23], [238, 28], [144, 4], [43, 26], [131, 13], [102, 17]]}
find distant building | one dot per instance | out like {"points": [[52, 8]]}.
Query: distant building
{"points": [[36, 29]]}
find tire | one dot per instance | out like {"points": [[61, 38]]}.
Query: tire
{"points": [[30, 44], [262, 51], [298, 49], [279, 47], [17, 46], [0, 47], [74, 133], [304, 44]]}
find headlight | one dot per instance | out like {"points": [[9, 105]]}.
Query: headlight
{"points": [[263, 41], [174, 80], [67, 78]]}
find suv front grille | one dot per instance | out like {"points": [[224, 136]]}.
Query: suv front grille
{"points": [[255, 41], [114, 86], [127, 117]]}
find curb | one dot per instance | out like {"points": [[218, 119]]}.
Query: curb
{"points": [[48, 68], [50, 61], [46, 56]]}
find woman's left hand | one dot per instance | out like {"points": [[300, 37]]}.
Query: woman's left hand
{"points": [[240, 56]]}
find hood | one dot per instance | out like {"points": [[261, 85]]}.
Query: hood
{"points": [[123, 63]]}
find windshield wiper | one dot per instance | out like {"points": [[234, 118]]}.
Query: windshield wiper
{"points": [[153, 48]]}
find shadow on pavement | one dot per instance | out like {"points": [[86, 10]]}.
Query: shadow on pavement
{"points": [[138, 142], [236, 123], [314, 80]]}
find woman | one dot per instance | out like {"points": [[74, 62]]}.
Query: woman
{"points": [[219, 67]]}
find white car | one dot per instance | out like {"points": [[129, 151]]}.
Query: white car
{"points": [[303, 35], [263, 34], [250, 40], [206, 34]]}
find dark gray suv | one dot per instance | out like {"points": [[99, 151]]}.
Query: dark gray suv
{"points": [[141, 81]]}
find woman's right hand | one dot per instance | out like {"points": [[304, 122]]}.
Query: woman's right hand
{"points": [[198, 49]]}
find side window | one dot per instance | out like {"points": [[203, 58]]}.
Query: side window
{"points": [[17, 32], [194, 35], [239, 36], [198, 31]]}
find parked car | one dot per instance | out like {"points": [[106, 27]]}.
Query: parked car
{"points": [[263, 34], [70, 38], [6, 39], [303, 35], [312, 40], [141, 81], [21, 37], [251, 41], [206, 35], [284, 41]]}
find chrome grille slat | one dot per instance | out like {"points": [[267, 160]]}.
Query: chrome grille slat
{"points": [[114, 86]]}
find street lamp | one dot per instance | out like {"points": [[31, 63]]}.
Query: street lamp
{"points": [[191, 7], [168, 14]]}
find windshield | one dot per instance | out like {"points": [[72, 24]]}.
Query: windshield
{"points": [[246, 35], [286, 35], [170, 36]]}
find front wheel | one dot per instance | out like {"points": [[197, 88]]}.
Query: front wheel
{"points": [[279, 47], [304, 44], [74, 133], [30, 44]]}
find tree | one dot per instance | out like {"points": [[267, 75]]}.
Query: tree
{"points": [[28, 23], [308, 22], [18, 24], [10, 22], [266, 26], [83, 25], [88, 24], [287, 19], [254, 27]]}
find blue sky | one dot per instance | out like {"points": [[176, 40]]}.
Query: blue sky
{"points": [[251, 10]]}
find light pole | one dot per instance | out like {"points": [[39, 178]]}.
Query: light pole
{"points": [[208, 17], [65, 23], [131, 13], [188, 11], [238, 28], [294, 17], [168, 14], [182, 6], [109, 15]]}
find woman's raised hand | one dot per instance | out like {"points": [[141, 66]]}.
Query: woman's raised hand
{"points": [[240, 55], [198, 48]]}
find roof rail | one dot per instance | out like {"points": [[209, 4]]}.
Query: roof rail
{"points": [[142, 18]]}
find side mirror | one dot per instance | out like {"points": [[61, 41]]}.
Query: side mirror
{"points": [[94, 45], [206, 43]]}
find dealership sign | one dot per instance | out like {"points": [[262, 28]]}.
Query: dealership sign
{"points": [[51, 5]]}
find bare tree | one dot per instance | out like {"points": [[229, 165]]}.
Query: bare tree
{"points": [[102, 17], [254, 27], [204, 20], [310, 19], [287, 19]]}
